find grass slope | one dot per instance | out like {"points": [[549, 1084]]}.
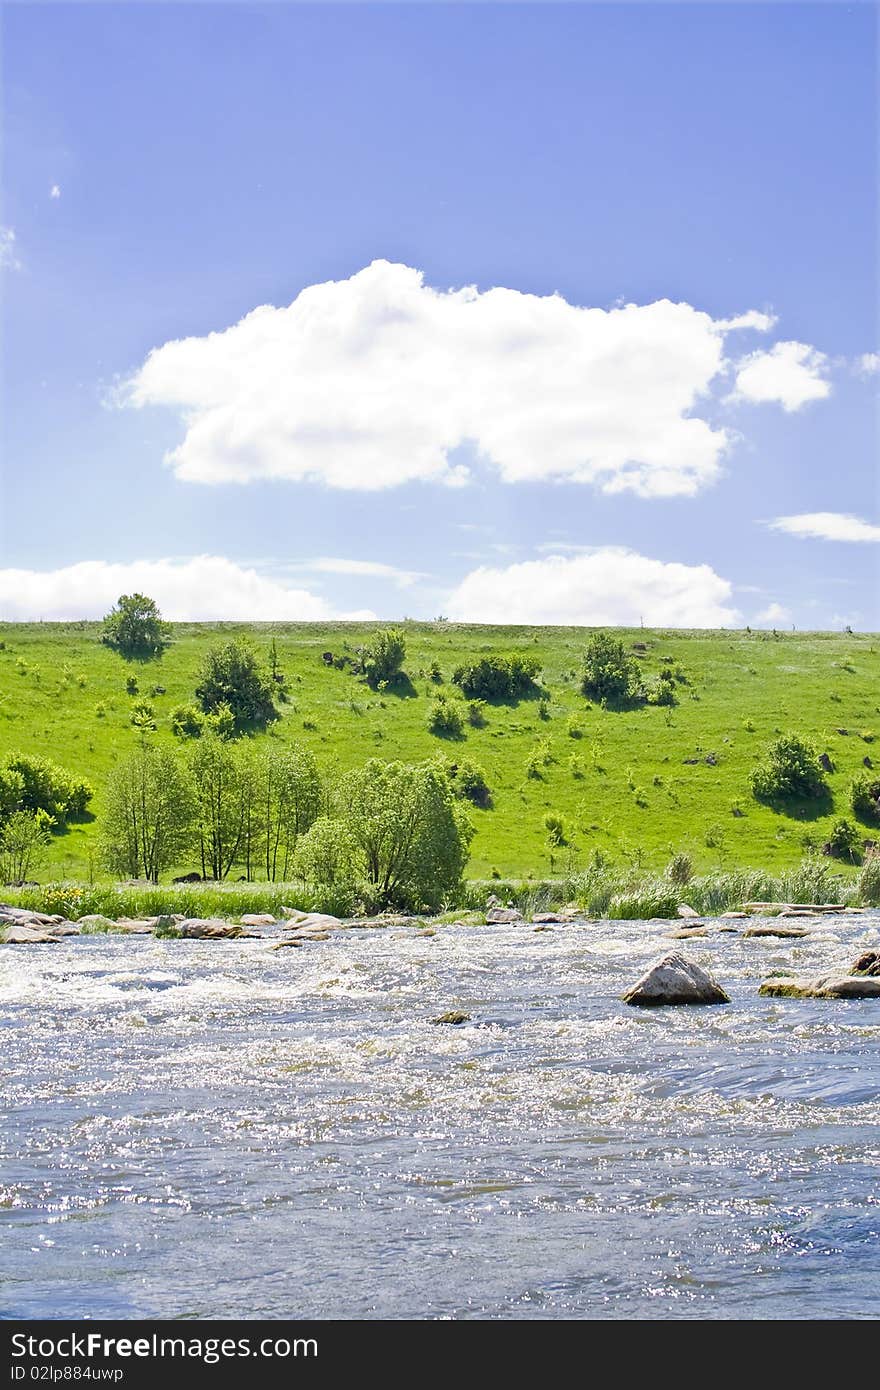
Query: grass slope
{"points": [[623, 786]]}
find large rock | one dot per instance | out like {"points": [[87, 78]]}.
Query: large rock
{"points": [[685, 910], [311, 921], [503, 914], [24, 917], [868, 963], [675, 980], [257, 919], [822, 987], [210, 929], [25, 935], [775, 931]]}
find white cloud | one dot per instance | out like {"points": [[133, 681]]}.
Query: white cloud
{"points": [[375, 381], [868, 364], [789, 374], [8, 259], [607, 587], [774, 615], [367, 568], [55, 191], [207, 588], [827, 526]]}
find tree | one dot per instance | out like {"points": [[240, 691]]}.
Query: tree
{"points": [[290, 795], [609, 673], [326, 854], [134, 627], [790, 768], [410, 835], [231, 675], [150, 813], [23, 843], [219, 788]]}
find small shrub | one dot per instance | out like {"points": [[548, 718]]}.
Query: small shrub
{"points": [[446, 717], [543, 709], [131, 685], [864, 797], [143, 716], [476, 713], [134, 627], [557, 830], [680, 869], [844, 842], [869, 882], [790, 769], [100, 710], [469, 783], [231, 675], [574, 728], [511, 677], [382, 659], [609, 674], [187, 721]]}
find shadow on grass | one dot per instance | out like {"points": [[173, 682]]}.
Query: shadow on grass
{"points": [[800, 808]]}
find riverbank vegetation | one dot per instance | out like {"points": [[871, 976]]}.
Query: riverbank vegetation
{"points": [[639, 746]]}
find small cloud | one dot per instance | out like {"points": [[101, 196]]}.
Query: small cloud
{"points": [[790, 375], [55, 191], [827, 526], [367, 568], [8, 259], [868, 364], [774, 615]]}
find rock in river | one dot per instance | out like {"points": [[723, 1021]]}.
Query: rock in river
{"points": [[675, 980], [210, 929], [503, 914], [822, 987]]}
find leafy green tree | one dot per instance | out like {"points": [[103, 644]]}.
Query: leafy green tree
{"points": [[134, 627], [231, 675], [844, 842], [326, 854], [790, 768], [24, 840], [610, 674], [150, 813], [290, 790], [187, 721], [11, 792], [410, 835], [217, 778], [382, 659]]}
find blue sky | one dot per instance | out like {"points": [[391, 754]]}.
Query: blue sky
{"points": [[169, 169]]}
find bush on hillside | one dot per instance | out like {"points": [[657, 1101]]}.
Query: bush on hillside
{"points": [[864, 797], [790, 768], [446, 717], [844, 842], [187, 721], [609, 673], [231, 675], [46, 787], [134, 627], [510, 677], [382, 658], [24, 840], [469, 783]]}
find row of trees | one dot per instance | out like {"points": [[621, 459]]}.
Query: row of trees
{"points": [[393, 833]]}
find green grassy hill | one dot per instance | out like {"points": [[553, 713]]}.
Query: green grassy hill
{"points": [[644, 782]]}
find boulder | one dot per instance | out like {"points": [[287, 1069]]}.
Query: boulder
{"points": [[293, 913], [24, 935], [675, 980], [316, 921], [776, 931], [547, 917], [685, 933], [188, 878], [868, 963], [734, 916], [210, 929], [309, 934], [25, 917], [498, 915], [822, 987], [454, 1016], [257, 919], [686, 911]]}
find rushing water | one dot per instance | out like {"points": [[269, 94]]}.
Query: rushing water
{"points": [[200, 1130]]}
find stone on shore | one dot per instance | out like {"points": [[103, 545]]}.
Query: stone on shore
{"points": [[500, 915], [685, 910], [547, 917], [26, 935], [257, 919], [675, 980], [317, 921], [24, 917], [822, 987]]}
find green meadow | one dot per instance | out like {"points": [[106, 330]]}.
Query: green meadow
{"points": [[638, 784]]}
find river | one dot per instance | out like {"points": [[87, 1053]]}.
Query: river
{"points": [[217, 1129]]}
